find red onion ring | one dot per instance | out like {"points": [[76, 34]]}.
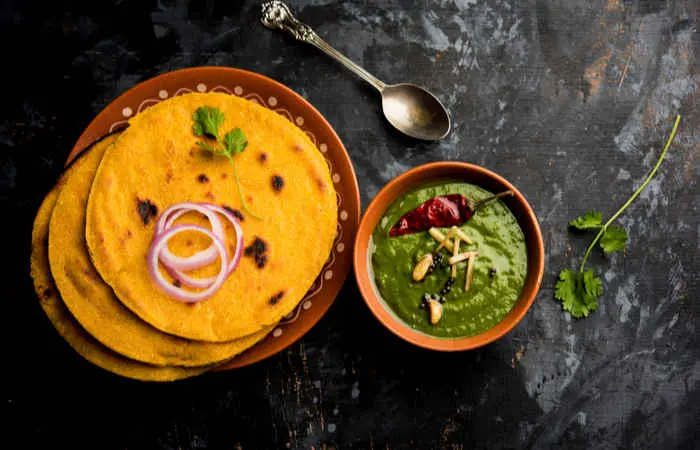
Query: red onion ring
{"points": [[238, 252], [202, 283], [160, 243], [199, 259], [175, 265], [186, 280]]}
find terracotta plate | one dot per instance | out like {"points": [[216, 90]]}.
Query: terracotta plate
{"points": [[275, 96]]}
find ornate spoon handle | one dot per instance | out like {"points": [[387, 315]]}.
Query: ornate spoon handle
{"points": [[277, 15]]}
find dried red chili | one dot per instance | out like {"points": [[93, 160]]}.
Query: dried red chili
{"points": [[440, 212]]}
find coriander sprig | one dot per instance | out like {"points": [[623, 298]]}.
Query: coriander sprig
{"points": [[207, 121], [579, 291]]}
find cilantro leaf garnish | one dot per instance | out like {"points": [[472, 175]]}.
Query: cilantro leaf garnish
{"points": [[208, 147], [614, 239], [235, 141], [207, 121], [579, 291], [592, 220]]}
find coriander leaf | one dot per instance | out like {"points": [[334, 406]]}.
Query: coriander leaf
{"points": [[578, 292], [197, 129], [235, 141], [593, 287], [614, 239], [206, 146], [592, 220], [207, 121], [566, 288]]}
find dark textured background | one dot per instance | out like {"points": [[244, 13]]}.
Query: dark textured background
{"points": [[570, 100]]}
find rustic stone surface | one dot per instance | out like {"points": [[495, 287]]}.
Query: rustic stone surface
{"points": [[570, 100]]}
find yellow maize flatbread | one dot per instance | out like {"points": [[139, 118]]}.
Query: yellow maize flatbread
{"points": [[93, 304], [156, 163], [69, 328]]}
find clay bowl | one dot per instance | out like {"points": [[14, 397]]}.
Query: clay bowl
{"points": [[471, 174]]}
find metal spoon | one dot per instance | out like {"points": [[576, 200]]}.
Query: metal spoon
{"points": [[408, 107]]}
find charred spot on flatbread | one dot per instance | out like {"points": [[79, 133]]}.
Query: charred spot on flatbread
{"points": [[203, 178], [127, 235], [258, 246], [258, 251], [47, 294], [146, 210], [236, 213], [262, 157], [276, 298], [277, 182], [210, 196], [89, 272], [177, 283]]}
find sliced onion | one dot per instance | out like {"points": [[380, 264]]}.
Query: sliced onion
{"points": [[186, 280], [238, 252], [175, 265], [202, 283], [199, 259], [160, 244]]}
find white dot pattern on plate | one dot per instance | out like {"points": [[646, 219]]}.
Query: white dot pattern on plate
{"points": [[306, 305], [163, 94], [343, 215], [340, 247], [277, 332], [238, 90], [336, 178], [201, 87], [323, 148], [300, 121], [272, 101], [127, 112], [328, 275]]}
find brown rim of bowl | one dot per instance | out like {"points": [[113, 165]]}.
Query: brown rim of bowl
{"points": [[479, 176]]}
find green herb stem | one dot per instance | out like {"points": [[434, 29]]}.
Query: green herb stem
{"points": [[483, 202], [634, 196], [240, 192], [590, 248]]}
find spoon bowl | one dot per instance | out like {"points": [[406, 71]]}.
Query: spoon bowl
{"points": [[415, 112]]}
